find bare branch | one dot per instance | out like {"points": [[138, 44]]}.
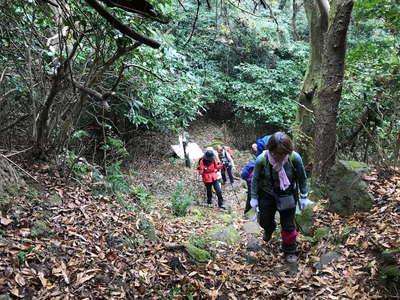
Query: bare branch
{"points": [[150, 72], [117, 24], [111, 3], [101, 97], [11, 125], [194, 23]]}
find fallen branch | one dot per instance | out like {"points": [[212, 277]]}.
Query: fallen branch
{"points": [[13, 163]]}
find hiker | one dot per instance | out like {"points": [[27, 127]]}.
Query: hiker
{"points": [[226, 159], [260, 144], [208, 167], [254, 149], [278, 175], [247, 175], [219, 176]]}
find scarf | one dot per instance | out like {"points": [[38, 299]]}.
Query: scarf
{"points": [[284, 182]]}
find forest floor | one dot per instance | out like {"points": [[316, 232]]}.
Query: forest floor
{"points": [[60, 241]]}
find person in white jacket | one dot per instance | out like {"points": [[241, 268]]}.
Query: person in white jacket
{"points": [[227, 163]]}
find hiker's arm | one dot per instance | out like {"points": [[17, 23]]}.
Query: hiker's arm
{"points": [[245, 173], [300, 173], [256, 177]]}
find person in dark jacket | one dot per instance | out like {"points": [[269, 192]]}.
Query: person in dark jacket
{"points": [[278, 175], [208, 168], [247, 175]]}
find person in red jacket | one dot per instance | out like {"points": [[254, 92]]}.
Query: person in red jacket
{"points": [[208, 168]]}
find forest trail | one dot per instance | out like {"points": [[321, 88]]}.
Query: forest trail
{"points": [[62, 242]]}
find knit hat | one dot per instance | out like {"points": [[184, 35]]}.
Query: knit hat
{"points": [[209, 155]]}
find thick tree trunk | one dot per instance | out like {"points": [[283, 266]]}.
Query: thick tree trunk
{"points": [[304, 132], [329, 91]]}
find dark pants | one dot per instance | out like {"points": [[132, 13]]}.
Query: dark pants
{"points": [[227, 169], [248, 206], [267, 207], [217, 189]]}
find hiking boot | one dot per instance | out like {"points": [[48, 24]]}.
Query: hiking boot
{"points": [[209, 205], [222, 206], [291, 258], [266, 237]]}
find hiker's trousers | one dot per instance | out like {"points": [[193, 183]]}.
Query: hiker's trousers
{"points": [[227, 169], [248, 206], [217, 189], [267, 210]]}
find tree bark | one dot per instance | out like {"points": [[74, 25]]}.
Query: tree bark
{"points": [[330, 89], [304, 131]]}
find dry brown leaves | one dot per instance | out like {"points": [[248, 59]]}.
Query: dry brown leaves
{"points": [[95, 250]]}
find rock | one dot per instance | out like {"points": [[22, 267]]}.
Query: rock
{"points": [[228, 235], [197, 254], [41, 229], [389, 256], [54, 200], [5, 297], [251, 260], [346, 190], [253, 245], [326, 259], [147, 229]]}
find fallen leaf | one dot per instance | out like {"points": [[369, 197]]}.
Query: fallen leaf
{"points": [[20, 280], [5, 221]]}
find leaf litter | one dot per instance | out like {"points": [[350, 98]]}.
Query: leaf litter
{"points": [[95, 250]]}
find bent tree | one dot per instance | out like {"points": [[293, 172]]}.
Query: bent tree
{"points": [[322, 87]]}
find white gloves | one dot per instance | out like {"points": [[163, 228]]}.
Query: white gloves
{"points": [[253, 202], [303, 203]]}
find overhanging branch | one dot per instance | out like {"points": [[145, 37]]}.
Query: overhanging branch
{"points": [[117, 24]]}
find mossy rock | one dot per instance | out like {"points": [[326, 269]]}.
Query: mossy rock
{"points": [[227, 218], [346, 190], [389, 256], [197, 254], [390, 277], [228, 235], [147, 229], [54, 200], [41, 229]]}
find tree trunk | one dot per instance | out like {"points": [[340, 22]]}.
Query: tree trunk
{"points": [[304, 130], [329, 91]]}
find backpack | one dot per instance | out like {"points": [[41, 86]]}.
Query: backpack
{"points": [[229, 150], [248, 171], [261, 143]]}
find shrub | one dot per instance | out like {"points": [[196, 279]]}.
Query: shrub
{"points": [[181, 200]]}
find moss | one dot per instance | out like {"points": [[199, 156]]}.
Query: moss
{"points": [[41, 229], [226, 218], [355, 164], [147, 229], [227, 235], [6, 202], [197, 254]]}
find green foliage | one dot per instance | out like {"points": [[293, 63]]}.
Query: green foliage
{"points": [[21, 255], [246, 63], [182, 292], [372, 86], [181, 200], [143, 198]]}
